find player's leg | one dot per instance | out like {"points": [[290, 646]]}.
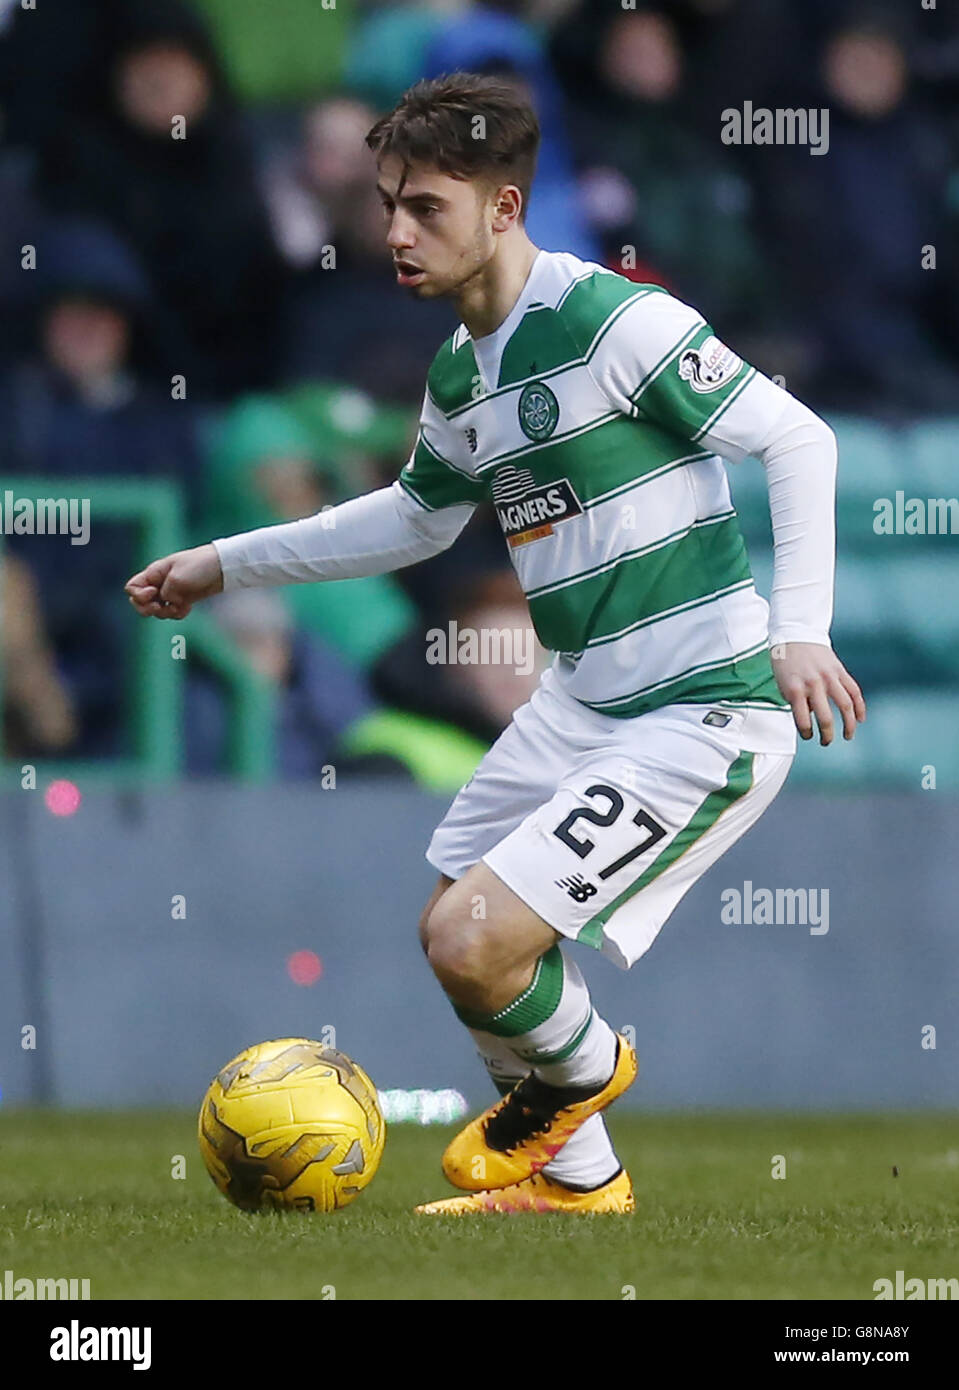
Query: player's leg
{"points": [[630, 829], [509, 981], [519, 773], [587, 1161], [607, 859], [442, 883]]}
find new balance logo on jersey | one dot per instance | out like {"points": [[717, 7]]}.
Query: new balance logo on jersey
{"points": [[471, 439], [528, 512], [577, 887]]}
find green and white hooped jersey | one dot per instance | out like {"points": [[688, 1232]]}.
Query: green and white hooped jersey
{"points": [[592, 419]]}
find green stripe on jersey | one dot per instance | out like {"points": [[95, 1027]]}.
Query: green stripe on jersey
{"points": [[435, 483], [590, 304], [665, 397], [733, 395], [535, 349], [453, 376], [739, 779], [699, 565], [598, 458], [746, 676], [544, 342], [550, 339]]}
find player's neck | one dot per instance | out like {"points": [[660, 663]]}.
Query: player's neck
{"points": [[488, 298]]}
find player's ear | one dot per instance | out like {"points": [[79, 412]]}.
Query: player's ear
{"points": [[507, 207]]}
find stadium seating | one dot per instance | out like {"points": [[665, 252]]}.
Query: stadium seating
{"points": [[908, 742]]}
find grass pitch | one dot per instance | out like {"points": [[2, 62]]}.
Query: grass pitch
{"points": [[92, 1196]]}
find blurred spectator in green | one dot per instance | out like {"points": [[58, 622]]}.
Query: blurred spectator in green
{"points": [[387, 50], [325, 715], [282, 52], [319, 695], [436, 754], [265, 467]]}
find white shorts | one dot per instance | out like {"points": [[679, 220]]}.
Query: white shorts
{"points": [[601, 825]]}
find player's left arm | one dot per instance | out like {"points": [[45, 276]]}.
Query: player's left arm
{"points": [[657, 358], [798, 451]]}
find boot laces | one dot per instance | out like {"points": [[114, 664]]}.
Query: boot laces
{"points": [[529, 1110]]}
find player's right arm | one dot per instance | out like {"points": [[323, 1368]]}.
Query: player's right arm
{"points": [[659, 359], [421, 514]]}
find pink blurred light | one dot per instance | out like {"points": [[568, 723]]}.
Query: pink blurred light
{"points": [[62, 798], [304, 967]]}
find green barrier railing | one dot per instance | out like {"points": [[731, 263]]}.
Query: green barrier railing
{"points": [[155, 692], [252, 753]]}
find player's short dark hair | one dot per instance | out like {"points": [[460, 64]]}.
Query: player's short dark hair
{"points": [[434, 123]]}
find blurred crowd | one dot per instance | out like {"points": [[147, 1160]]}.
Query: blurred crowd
{"points": [[196, 290]]}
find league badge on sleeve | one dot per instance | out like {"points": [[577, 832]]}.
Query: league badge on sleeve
{"points": [[709, 366]]}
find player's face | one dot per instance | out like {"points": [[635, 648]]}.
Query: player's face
{"points": [[438, 228]]}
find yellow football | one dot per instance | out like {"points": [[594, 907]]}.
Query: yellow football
{"points": [[292, 1124]]}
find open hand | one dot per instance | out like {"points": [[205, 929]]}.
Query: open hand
{"points": [[809, 676]]}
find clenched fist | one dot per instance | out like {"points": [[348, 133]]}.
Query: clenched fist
{"points": [[169, 588]]}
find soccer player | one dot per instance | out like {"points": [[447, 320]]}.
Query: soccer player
{"points": [[592, 411]]}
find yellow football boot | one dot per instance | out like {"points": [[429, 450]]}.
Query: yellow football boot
{"points": [[540, 1194], [527, 1128]]}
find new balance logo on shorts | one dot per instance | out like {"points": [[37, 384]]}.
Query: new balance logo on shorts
{"points": [[578, 888]]}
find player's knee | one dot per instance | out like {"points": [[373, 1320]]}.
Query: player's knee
{"points": [[424, 926], [425, 916], [456, 947]]}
